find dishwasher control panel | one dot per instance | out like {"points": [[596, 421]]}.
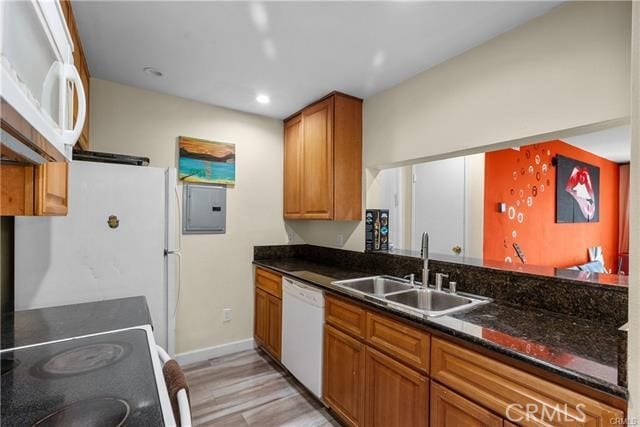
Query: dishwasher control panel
{"points": [[308, 294]]}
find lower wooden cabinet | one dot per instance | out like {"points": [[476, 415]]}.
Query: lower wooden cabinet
{"points": [[414, 379], [513, 393], [34, 189], [449, 409], [344, 371], [267, 328], [396, 395], [261, 319], [274, 337]]}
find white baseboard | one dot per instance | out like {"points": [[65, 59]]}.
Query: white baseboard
{"points": [[203, 354]]}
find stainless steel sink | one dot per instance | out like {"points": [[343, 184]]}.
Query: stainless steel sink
{"points": [[376, 285], [403, 295], [434, 303]]}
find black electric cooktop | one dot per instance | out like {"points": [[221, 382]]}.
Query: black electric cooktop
{"points": [[99, 380]]}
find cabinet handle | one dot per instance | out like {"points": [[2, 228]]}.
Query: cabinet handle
{"points": [[70, 73]]}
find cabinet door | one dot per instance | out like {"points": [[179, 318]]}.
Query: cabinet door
{"points": [[274, 343], [261, 320], [344, 369], [317, 163], [52, 188], [396, 395], [449, 409], [293, 168], [16, 189]]}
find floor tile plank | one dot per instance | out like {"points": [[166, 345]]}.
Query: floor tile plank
{"points": [[248, 389]]}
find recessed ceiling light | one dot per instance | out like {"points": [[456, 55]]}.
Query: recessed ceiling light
{"points": [[152, 71], [263, 99]]}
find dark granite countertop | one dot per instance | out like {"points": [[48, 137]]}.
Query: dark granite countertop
{"points": [[26, 327], [582, 350]]}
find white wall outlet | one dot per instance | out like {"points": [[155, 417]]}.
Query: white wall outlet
{"points": [[226, 315], [289, 236], [340, 239]]}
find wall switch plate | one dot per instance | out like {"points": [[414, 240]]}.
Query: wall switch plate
{"points": [[226, 315]]}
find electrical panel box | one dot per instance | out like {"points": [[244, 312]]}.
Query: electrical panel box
{"points": [[204, 209]]}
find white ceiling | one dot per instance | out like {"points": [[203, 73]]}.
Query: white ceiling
{"points": [[225, 53], [613, 144]]}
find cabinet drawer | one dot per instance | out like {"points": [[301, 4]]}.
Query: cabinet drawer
{"points": [[408, 344], [508, 391], [451, 409], [343, 315], [269, 282]]}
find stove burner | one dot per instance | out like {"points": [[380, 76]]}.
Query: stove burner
{"points": [[101, 411], [8, 364], [82, 359]]}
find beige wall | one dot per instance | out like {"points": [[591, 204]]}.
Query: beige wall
{"points": [[216, 269], [564, 70], [567, 68]]}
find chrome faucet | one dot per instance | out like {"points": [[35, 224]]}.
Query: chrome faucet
{"points": [[424, 254], [439, 279]]}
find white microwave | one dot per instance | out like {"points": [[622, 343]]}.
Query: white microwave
{"points": [[38, 75]]}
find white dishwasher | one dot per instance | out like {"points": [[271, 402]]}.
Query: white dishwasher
{"points": [[302, 333]]}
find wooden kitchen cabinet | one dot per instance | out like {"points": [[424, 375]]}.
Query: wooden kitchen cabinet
{"points": [[293, 167], [449, 409], [344, 373], [398, 339], [508, 391], [79, 60], [34, 189], [268, 312], [345, 316], [52, 188], [396, 395], [16, 182], [274, 338], [317, 161], [261, 318], [323, 160]]}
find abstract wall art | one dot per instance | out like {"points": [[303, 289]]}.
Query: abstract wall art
{"points": [[577, 191], [207, 161]]}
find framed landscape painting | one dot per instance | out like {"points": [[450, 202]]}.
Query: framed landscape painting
{"points": [[209, 162]]}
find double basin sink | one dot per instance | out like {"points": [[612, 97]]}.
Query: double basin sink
{"points": [[402, 294]]}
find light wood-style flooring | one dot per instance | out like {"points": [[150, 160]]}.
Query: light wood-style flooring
{"points": [[249, 389]]}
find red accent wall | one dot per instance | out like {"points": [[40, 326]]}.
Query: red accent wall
{"points": [[526, 181]]}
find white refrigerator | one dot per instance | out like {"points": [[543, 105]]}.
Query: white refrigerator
{"points": [[86, 257]]}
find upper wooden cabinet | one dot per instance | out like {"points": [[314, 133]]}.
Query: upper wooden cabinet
{"points": [[79, 60], [51, 188], [293, 167], [34, 190], [323, 160]]}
